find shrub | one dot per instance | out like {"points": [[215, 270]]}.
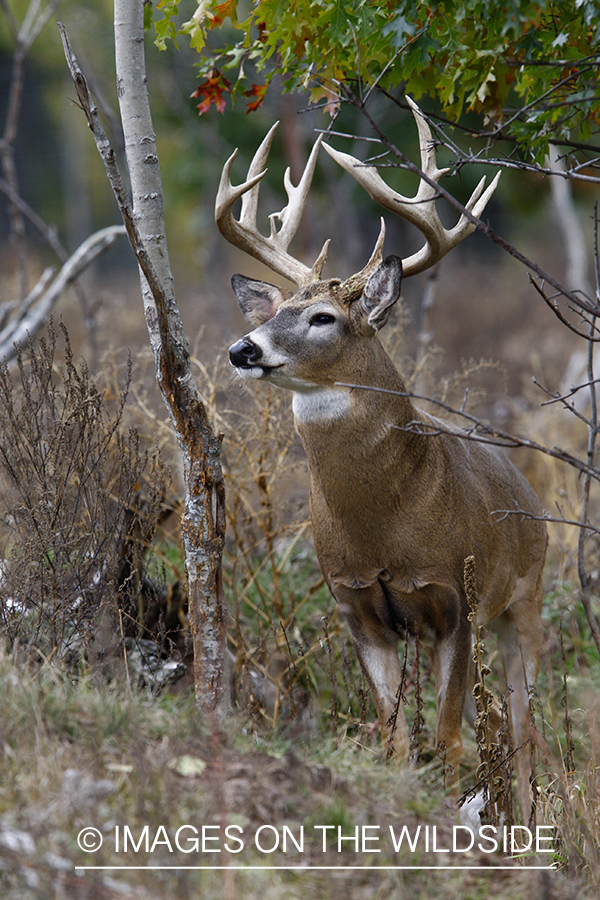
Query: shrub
{"points": [[81, 496]]}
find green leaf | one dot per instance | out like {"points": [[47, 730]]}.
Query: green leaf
{"points": [[401, 29], [474, 55], [148, 16], [165, 28]]}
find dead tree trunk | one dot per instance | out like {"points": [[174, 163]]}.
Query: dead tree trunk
{"points": [[203, 521]]}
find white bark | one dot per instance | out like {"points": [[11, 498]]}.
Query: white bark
{"points": [[203, 523], [577, 258]]}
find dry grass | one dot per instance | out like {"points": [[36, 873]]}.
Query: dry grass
{"points": [[79, 755]]}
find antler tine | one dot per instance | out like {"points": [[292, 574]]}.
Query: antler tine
{"points": [[290, 216], [244, 233], [354, 285], [227, 194], [257, 169], [419, 210], [476, 206], [427, 151]]}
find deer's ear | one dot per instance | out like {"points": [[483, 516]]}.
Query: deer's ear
{"points": [[381, 291], [258, 300]]}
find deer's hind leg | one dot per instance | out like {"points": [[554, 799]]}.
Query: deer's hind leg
{"points": [[520, 638]]}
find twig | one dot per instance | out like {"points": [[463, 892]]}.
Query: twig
{"points": [[488, 434], [562, 398], [480, 133], [28, 322], [584, 578], [546, 517], [481, 226], [48, 232], [551, 301], [473, 789]]}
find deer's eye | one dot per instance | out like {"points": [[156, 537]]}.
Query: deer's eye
{"points": [[322, 319]]}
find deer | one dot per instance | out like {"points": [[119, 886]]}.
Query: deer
{"points": [[398, 498]]}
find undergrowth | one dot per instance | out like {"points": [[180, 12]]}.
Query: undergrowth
{"points": [[81, 495], [75, 598]]}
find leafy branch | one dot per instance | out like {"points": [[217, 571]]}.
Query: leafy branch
{"points": [[528, 71]]}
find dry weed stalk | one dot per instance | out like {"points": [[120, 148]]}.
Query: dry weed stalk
{"points": [[400, 698], [568, 799], [332, 677], [416, 733], [490, 776], [569, 761]]}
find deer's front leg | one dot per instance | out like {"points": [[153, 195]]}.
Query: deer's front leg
{"points": [[377, 650]]}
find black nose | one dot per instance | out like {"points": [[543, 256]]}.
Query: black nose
{"points": [[244, 353]]}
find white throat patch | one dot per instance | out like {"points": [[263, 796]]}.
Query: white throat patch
{"points": [[321, 405]]}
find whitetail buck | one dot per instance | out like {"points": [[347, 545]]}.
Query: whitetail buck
{"points": [[398, 498]]}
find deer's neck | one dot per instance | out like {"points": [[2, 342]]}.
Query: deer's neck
{"points": [[355, 434], [343, 405]]}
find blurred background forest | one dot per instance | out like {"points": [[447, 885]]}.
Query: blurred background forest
{"points": [[60, 177], [478, 326], [480, 316]]}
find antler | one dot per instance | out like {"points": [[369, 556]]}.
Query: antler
{"points": [[419, 210], [244, 233]]}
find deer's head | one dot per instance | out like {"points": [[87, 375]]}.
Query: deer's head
{"points": [[315, 336]]}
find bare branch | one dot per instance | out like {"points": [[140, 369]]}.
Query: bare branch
{"points": [[48, 232], [485, 135], [480, 432], [504, 162], [12, 22], [35, 22], [39, 302], [563, 398], [556, 520], [539, 100], [593, 335], [570, 407]]}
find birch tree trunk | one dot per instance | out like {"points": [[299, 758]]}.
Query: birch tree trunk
{"points": [[203, 522]]}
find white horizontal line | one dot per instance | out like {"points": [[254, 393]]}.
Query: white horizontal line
{"points": [[487, 868]]}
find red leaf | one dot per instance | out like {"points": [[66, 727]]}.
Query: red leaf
{"points": [[222, 11], [258, 91], [211, 91]]}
